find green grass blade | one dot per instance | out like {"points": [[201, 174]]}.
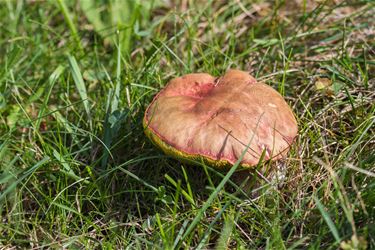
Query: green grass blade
{"points": [[80, 85], [67, 169], [210, 199], [92, 13], [219, 187], [11, 60], [116, 94], [64, 207], [222, 243], [113, 100], [138, 179], [52, 80], [26, 174], [68, 19], [187, 196], [214, 194], [328, 220], [204, 239]]}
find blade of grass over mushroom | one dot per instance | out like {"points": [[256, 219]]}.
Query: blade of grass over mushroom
{"points": [[80, 85]]}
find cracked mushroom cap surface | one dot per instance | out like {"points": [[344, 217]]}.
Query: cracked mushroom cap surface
{"points": [[198, 116]]}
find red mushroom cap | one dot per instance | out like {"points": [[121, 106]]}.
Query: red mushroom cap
{"points": [[199, 116]]}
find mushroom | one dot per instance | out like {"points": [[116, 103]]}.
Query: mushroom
{"points": [[198, 116]]}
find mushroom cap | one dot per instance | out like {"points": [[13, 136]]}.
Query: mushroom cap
{"points": [[198, 116]]}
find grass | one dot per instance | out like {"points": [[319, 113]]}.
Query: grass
{"points": [[76, 170]]}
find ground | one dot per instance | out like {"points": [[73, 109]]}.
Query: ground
{"points": [[77, 171]]}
